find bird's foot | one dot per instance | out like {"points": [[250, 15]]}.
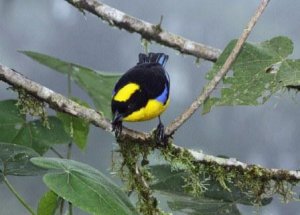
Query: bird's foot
{"points": [[117, 128], [160, 136]]}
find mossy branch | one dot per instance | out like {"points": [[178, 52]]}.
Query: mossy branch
{"points": [[254, 180], [137, 177]]}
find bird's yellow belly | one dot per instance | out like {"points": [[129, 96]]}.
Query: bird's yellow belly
{"points": [[153, 109]]}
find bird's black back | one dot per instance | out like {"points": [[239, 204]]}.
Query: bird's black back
{"points": [[151, 78]]}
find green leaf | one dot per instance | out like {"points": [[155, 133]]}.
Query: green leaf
{"points": [[172, 181], [33, 133], [200, 206], [289, 73], [15, 160], [48, 203], [85, 187], [254, 73], [98, 85], [76, 127]]}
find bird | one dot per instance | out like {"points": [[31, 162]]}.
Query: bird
{"points": [[142, 93]]}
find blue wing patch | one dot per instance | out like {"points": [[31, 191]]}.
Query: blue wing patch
{"points": [[159, 58], [162, 59], [163, 97]]}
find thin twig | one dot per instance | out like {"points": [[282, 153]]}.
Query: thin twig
{"points": [[146, 30], [69, 91], [208, 89], [17, 195], [141, 178], [61, 207], [56, 152], [70, 208]]}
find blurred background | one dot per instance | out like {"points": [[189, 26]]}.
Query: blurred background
{"points": [[266, 135]]}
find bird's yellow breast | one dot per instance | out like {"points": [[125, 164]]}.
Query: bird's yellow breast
{"points": [[152, 109]]}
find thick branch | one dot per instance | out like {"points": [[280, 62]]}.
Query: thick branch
{"points": [[232, 163], [208, 89], [146, 29], [61, 103]]}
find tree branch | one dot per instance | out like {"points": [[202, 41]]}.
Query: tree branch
{"points": [[208, 89], [232, 163], [61, 103], [146, 30]]}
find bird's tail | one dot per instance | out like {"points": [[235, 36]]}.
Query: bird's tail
{"points": [[160, 58], [143, 58]]}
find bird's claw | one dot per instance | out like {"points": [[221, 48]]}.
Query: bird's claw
{"points": [[160, 136], [117, 128]]}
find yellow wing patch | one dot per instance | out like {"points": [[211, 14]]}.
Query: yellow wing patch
{"points": [[125, 92], [153, 109]]}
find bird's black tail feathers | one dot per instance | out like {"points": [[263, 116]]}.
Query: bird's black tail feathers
{"points": [[160, 58]]}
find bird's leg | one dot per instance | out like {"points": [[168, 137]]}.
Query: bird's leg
{"points": [[117, 128], [160, 132]]}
